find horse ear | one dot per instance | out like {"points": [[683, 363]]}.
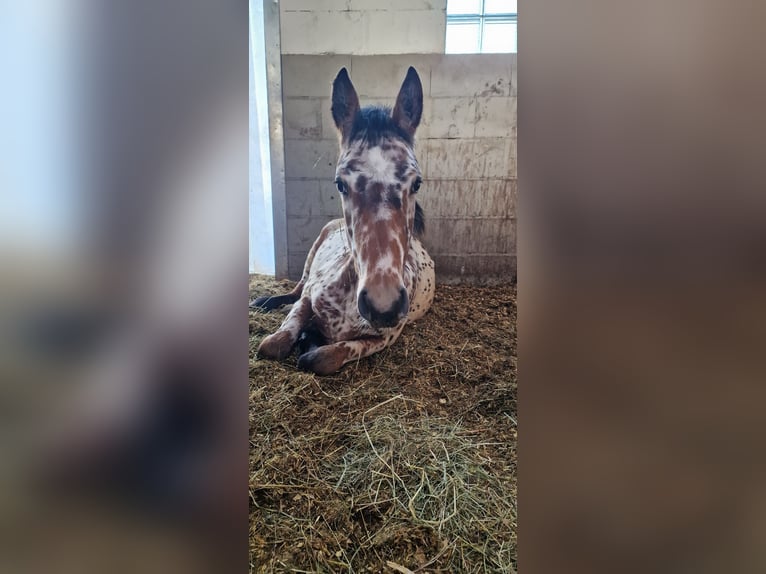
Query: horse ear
{"points": [[345, 103], [409, 103]]}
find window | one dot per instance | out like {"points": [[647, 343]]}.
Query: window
{"points": [[481, 26]]}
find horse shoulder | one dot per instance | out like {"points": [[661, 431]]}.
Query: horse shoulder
{"points": [[424, 284]]}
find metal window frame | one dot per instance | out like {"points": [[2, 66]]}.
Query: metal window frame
{"points": [[481, 19]]}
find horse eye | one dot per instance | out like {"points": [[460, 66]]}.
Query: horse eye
{"points": [[341, 186], [416, 185]]}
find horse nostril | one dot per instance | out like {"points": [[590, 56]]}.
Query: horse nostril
{"points": [[364, 304], [404, 302]]}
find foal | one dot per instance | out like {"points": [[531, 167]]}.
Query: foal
{"points": [[366, 274]]}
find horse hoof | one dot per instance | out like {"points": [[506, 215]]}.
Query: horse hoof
{"points": [[262, 303], [276, 346], [322, 361]]}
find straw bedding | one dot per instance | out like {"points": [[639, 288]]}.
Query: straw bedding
{"points": [[402, 462]]}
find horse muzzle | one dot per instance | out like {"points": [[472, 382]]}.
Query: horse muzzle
{"points": [[383, 319]]}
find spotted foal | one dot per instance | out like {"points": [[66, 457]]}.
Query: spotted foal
{"points": [[367, 274]]}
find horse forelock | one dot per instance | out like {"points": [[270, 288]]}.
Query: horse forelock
{"points": [[374, 123]]}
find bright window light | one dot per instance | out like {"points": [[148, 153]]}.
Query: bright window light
{"points": [[482, 26]]}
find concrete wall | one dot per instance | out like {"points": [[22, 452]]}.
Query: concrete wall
{"points": [[363, 26], [466, 146]]}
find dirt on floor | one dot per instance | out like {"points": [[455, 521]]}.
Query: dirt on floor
{"points": [[402, 462]]}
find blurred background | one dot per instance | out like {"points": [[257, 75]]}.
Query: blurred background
{"points": [[641, 291], [123, 242]]}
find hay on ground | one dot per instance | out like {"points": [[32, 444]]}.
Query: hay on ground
{"points": [[404, 461]]}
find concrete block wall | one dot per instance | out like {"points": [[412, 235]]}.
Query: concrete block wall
{"points": [[362, 26], [466, 146]]}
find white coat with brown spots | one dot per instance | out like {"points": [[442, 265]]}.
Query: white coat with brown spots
{"points": [[367, 274]]}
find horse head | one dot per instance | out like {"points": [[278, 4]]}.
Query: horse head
{"points": [[378, 177]]}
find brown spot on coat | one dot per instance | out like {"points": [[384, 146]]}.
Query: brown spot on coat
{"points": [[393, 199], [361, 183]]}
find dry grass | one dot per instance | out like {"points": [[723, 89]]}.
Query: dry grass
{"points": [[404, 461]]}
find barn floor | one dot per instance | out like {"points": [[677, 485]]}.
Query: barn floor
{"points": [[404, 461]]}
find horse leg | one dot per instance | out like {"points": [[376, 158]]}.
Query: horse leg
{"points": [[278, 345], [269, 303], [309, 339], [330, 358]]}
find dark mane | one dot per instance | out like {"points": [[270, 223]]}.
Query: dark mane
{"points": [[420, 221], [373, 123]]}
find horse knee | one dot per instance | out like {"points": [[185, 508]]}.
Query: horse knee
{"points": [[322, 360], [276, 346]]}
